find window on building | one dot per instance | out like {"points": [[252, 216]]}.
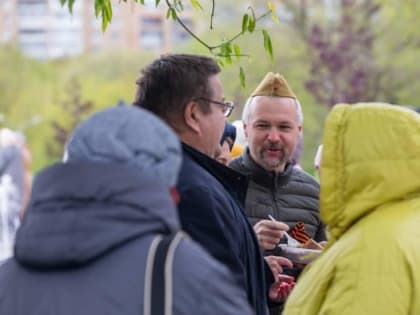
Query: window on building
{"points": [[32, 7], [151, 34], [150, 4], [178, 33], [151, 39]]}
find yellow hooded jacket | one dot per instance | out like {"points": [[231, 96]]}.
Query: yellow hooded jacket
{"points": [[370, 201]]}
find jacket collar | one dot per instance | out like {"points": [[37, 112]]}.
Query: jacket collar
{"points": [[234, 182], [264, 177]]}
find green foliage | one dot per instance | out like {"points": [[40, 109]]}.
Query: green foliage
{"points": [[252, 20], [75, 110], [70, 4], [267, 44], [196, 5], [242, 76], [222, 50]]}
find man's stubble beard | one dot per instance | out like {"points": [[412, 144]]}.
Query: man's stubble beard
{"points": [[272, 166]]}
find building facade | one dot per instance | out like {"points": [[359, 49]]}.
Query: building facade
{"points": [[43, 29]]}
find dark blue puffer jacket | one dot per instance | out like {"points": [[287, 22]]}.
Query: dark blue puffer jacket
{"points": [[211, 213]]}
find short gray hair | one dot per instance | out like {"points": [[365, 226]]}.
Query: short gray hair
{"points": [[247, 109]]}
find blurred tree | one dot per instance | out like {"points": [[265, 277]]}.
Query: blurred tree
{"points": [[342, 41], [343, 66], [75, 110]]}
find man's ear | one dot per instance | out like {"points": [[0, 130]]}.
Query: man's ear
{"points": [[300, 130], [245, 128], [192, 116]]}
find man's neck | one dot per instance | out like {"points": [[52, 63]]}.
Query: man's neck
{"points": [[194, 142]]}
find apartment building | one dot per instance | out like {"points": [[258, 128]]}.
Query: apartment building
{"points": [[43, 29]]}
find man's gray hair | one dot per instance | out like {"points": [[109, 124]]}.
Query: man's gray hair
{"points": [[247, 109]]}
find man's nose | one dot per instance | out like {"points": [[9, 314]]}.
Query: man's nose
{"points": [[273, 135]]}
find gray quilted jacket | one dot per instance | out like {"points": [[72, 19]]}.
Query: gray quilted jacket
{"points": [[289, 197]]}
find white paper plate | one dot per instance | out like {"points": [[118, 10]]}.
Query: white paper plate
{"points": [[299, 255]]}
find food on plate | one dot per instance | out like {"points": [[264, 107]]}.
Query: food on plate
{"points": [[299, 255]]}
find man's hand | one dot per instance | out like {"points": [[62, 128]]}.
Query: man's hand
{"points": [[269, 233], [280, 290], [276, 264]]}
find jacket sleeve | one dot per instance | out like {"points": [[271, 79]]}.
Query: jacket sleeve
{"points": [[205, 285], [320, 235], [222, 296], [358, 285], [207, 220]]}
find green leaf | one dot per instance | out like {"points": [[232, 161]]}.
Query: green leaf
{"points": [[63, 2], [157, 3], [171, 13], [245, 20], [174, 14], [275, 19], [71, 3], [196, 5], [227, 52], [98, 7], [106, 11], [242, 76], [272, 9], [104, 24], [179, 6], [267, 44], [220, 62], [104, 8], [237, 51], [252, 21]]}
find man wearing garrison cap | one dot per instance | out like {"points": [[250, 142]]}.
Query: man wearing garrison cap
{"points": [[272, 120], [186, 91]]}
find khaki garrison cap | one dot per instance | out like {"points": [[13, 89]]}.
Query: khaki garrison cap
{"points": [[274, 85]]}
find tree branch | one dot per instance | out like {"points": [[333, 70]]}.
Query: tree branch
{"points": [[213, 5], [193, 35]]}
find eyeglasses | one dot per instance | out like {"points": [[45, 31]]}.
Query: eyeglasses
{"points": [[227, 106]]}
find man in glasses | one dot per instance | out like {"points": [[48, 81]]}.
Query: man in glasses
{"points": [[186, 92]]}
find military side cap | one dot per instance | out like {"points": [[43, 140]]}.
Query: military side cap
{"points": [[274, 85]]}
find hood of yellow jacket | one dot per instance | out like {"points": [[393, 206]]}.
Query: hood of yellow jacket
{"points": [[371, 156]]}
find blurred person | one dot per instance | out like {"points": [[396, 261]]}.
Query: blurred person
{"points": [[15, 181], [297, 153], [93, 223], [272, 120], [185, 90], [370, 201], [317, 159], [237, 150], [240, 134], [226, 144]]}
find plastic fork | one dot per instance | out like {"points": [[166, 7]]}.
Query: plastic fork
{"points": [[290, 240]]}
